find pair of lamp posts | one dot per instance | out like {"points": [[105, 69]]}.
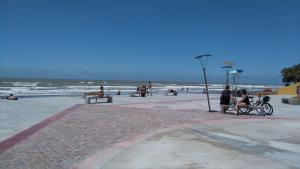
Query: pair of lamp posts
{"points": [[227, 65]]}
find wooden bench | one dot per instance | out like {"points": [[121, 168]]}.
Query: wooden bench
{"points": [[108, 99]]}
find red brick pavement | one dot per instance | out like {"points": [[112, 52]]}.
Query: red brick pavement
{"points": [[8, 143], [75, 134]]}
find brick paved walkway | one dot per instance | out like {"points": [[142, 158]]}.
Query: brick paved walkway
{"points": [[87, 129]]}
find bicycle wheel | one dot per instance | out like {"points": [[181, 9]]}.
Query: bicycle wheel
{"points": [[267, 108], [232, 105], [244, 110]]}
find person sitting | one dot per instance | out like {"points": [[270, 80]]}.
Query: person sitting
{"points": [[100, 93], [172, 91], [12, 97], [143, 91], [244, 102], [225, 98], [138, 90]]}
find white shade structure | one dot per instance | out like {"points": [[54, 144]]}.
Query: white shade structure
{"points": [[235, 78], [236, 71]]}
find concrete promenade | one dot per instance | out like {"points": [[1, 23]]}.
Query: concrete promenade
{"points": [[115, 135]]}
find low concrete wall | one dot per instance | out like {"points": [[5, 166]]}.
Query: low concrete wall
{"points": [[289, 90]]}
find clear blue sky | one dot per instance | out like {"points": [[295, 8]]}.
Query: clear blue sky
{"points": [[153, 37]]}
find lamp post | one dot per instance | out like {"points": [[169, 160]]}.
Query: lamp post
{"points": [[203, 61], [227, 73], [227, 65], [235, 79]]}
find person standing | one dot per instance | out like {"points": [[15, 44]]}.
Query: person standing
{"points": [[149, 88]]}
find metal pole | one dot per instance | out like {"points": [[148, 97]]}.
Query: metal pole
{"points": [[227, 80], [206, 89]]}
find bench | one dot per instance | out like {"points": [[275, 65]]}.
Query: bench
{"points": [[224, 108], [137, 94], [134, 94], [108, 99], [171, 93], [293, 101], [84, 95]]}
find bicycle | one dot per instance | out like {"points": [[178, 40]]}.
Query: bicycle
{"points": [[261, 106], [232, 106], [267, 107]]}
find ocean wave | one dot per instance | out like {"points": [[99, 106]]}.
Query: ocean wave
{"points": [[32, 88]]}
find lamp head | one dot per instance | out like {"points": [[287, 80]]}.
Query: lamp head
{"points": [[202, 56]]}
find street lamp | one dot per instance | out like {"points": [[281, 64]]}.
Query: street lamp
{"points": [[235, 79], [227, 65], [203, 61]]}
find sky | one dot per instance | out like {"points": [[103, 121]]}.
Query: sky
{"points": [[148, 39]]}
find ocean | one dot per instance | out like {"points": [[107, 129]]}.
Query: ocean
{"points": [[64, 87]]}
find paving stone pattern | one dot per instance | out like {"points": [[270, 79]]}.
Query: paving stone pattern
{"points": [[91, 128]]}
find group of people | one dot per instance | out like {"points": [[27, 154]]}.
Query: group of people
{"points": [[226, 97], [144, 90], [141, 90]]}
